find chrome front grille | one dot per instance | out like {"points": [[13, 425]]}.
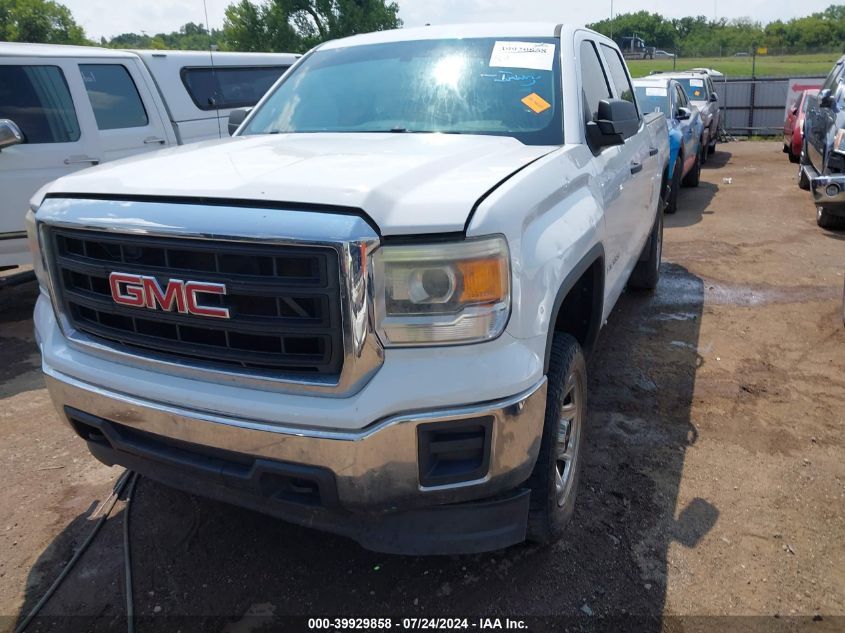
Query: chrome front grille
{"points": [[298, 305]]}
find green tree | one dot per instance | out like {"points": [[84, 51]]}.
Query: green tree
{"points": [[297, 25], [41, 21]]}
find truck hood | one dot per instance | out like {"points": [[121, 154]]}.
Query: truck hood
{"points": [[406, 183]]}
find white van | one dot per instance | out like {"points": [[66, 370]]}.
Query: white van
{"points": [[64, 108]]}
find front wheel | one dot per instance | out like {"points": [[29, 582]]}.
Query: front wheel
{"points": [[827, 220], [803, 180], [694, 176], [554, 481]]}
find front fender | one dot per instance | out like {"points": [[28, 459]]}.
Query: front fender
{"points": [[552, 216]]}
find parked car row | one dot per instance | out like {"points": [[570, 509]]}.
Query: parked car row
{"points": [[691, 105], [64, 108], [822, 158]]}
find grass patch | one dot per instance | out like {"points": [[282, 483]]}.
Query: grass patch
{"points": [[767, 65]]}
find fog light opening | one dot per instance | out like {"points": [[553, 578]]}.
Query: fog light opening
{"points": [[831, 190]]}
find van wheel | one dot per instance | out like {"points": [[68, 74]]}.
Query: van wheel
{"points": [[554, 481], [694, 176], [827, 220], [672, 198]]}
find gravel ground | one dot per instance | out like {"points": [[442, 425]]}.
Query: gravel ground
{"points": [[714, 481]]}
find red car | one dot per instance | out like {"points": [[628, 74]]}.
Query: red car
{"points": [[793, 126]]}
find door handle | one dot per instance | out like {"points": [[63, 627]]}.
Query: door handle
{"points": [[636, 167], [652, 151], [154, 139], [76, 160]]}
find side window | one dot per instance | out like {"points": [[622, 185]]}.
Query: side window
{"points": [[38, 100], [832, 78], [618, 74], [681, 97], [594, 86], [113, 95], [228, 86]]}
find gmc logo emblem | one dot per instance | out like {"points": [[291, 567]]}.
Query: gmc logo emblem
{"points": [[141, 291]]}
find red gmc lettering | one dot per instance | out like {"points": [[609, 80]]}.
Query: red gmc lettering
{"points": [[134, 294], [192, 288], [141, 291], [165, 299]]}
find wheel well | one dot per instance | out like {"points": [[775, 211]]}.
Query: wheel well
{"points": [[580, 310]]}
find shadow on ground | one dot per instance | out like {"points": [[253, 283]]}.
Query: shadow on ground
{"points": [[217, 564]]}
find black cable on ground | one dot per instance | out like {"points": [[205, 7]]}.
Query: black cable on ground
{"points": [[127, 560], [108, 504]]}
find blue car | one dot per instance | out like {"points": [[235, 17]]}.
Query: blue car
{"points": [[656, 94]]}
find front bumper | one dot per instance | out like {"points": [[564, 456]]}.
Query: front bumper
{"points": [[828, 190], [365, 485]]}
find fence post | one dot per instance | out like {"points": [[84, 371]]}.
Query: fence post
{"points": [[751, 106]]}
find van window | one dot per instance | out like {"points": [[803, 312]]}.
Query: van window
{"points": [[38, 100], [618, 74], [594, 86], [113, 95], [229, 86]]}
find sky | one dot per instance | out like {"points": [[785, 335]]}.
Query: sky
{"points": [[112, 17]]}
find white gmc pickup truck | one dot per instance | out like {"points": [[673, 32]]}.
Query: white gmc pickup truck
{"points": [[367, 312]]}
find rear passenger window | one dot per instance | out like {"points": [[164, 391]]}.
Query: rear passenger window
{"points": [[38, 100], [228, 86], [113, 96], [618, 74], [594, 85]]}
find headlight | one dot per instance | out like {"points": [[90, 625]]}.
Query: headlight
{"points": [[442, 294], [35, 248]]}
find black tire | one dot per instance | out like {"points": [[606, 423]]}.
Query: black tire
{"points": [[675, 185], [803, 181], [793, 158], [711, 149], [646, 273], [827, 220], [694, 176], [551, 506]]}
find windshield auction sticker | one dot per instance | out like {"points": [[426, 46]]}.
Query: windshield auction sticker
{"points": [[536, 103], [522, 55]]}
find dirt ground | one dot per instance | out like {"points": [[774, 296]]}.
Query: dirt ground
{"points": [[714, 481]]}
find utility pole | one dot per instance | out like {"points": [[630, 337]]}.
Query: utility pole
{"points": [[611, 19]]}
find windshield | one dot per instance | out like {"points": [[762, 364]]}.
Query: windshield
{"points": [[653, 99], [694, 87], [472, 86]]}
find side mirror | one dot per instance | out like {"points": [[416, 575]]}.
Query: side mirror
{"points": [[236, 117], [714, 97], [825, 98], [683, 114], [10, 133], [615, 121]]}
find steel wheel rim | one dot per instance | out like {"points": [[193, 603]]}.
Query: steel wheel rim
{"points": [[568, 437]]}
